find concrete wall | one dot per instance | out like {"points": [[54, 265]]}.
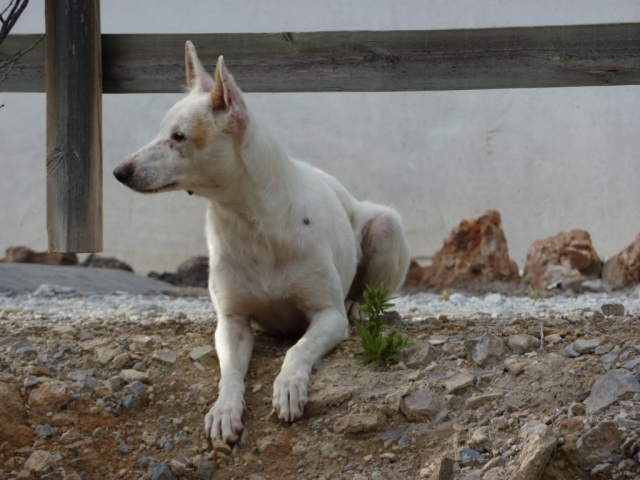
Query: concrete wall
{"points": [[548, 160]]}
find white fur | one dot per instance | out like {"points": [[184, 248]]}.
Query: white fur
{"points": [[285, 241]]}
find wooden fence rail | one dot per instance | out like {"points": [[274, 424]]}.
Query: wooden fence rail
{"points": [[391, 61], [363, 61]]}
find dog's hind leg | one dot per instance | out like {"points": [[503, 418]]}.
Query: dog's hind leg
{"points": [[385, 251]]}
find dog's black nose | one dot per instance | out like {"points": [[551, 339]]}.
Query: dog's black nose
{"points": [[123, 172]]}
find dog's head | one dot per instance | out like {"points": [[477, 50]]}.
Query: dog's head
{"points": [[196, 149]]}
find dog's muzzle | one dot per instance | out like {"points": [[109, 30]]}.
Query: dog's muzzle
{"points": [[123, 172]]}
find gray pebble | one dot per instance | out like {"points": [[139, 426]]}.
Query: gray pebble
{"points": [[44, 431]]}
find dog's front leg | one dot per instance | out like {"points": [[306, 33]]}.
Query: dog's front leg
{"points": [[328, 327], [234, 343]]}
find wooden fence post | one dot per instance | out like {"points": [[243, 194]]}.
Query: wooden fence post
{"points": [[74, 125]]}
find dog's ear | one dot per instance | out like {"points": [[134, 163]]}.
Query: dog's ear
{"points": [[226, 98], [198, 79], [226, 95]]}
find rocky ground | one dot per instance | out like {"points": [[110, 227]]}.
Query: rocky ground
{"points": [[102, 386]]}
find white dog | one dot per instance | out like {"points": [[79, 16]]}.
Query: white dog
{"points": [[288, 245]]}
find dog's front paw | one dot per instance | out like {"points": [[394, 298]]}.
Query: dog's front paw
{"points": [[224, 421], [290, 395]]}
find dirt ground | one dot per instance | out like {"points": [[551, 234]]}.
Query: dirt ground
{"points": [[105, 422]]}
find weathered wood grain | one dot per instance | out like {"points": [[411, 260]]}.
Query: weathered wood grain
{"points": [[74, 125], [366, 61]]}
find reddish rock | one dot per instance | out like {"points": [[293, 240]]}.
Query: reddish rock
{"points": [[50, 396], [194, 272], [475, 252], [14, 428], [565, 261], [414, 275], [26, 255], [105, 262], [623, 269]]}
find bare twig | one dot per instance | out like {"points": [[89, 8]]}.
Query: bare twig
{"points": [[11, 62], [15, 9]]}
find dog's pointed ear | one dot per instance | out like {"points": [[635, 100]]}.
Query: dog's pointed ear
{"points": [[226, 95], [198, 80]]}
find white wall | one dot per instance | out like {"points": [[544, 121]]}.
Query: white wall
{"points": [[548, 160]]}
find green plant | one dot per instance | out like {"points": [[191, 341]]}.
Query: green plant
{"points": [[378, 349]]}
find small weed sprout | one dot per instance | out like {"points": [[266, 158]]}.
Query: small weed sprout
{"points": [[378, 349]]}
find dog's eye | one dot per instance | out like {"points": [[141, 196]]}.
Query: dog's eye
{"points": [[178, 137]]}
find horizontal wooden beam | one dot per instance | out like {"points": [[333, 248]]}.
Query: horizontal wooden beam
{"points": [[362, 61]]}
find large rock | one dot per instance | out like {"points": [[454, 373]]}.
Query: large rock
{"points": [[422, 355], [419, 406], [609, 388], [194, 272], [490, 347], [623, 269], [13, 426], [564, 261], [50, 396], [537, 451], [475, 252], [522, 343], [106, 262], [598, 444], [414, 275], [26, 255], [357, 423]]}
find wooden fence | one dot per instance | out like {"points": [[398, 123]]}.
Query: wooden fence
{"points": [[362, 61]]}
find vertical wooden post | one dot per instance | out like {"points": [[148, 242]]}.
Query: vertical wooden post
{"points": [[74, 125]]}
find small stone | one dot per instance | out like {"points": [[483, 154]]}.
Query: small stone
{"points": [[521, 344], [199, 352], [205, 470], [50, 396], [553, 338], [44, 431], [39, 461], [459, 383], [167, 446], [144, 462], [161, 471], [134, 375], [137, 388], [127, 402], [570, 426], [601, 469], [356, 423], [443, 469], [478, 401], [494, 463], [30, 381], [583, 346], [468, 456], [609, 358], [90, 384], [419, 406], [357, 476], [391, 434], [165, 356], [602, 349], [598, 444], [64, 330], [613, 309], [220, 446], [631, 364], [178, 468], [515, 368], [106, 354], [119, 361], [422, 355], [611, 387], [570, 352], [389, 456], [489, 347]]}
